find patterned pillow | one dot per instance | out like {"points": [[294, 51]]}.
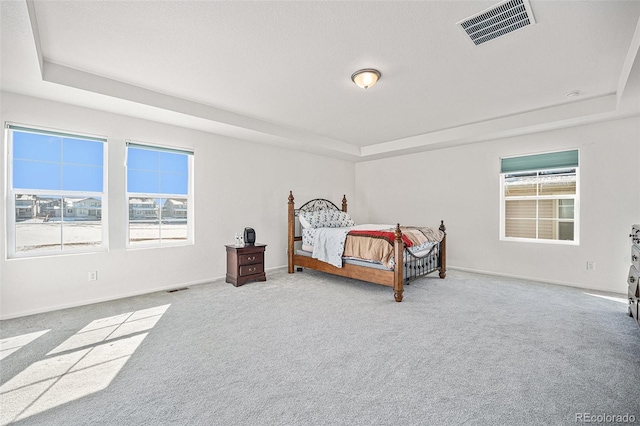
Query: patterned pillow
{"points": [[303, 221], [325, 219]]}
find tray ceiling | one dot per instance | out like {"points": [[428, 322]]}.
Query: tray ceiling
{"points": [[279, 72]]}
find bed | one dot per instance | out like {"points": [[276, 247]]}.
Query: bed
{"points": [[403, 255]]}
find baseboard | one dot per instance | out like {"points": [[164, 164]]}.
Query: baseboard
{"points": [[107, 299], [272, 269], [275, 268], [540, 280], [120, 296]]}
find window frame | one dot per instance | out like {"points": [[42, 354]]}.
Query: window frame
{"points": [[190, 240], [575, 197], [10, 236]]}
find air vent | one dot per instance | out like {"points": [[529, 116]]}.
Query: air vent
{"points": [[497, 21], [177, 289]]}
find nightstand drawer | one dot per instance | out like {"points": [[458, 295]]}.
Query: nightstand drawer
{"points": [[254, 269], [250, 258]]}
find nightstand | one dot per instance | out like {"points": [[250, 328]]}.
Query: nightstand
{"points": [[245, 264]]}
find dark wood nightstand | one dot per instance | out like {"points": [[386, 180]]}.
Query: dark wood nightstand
{"points": [[245, 264]]}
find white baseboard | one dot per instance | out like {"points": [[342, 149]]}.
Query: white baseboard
{"points": [[540, 280], [275, 268], [107, 299]]}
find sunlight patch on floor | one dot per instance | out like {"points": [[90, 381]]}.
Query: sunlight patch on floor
{"points": [[85, 363], [613, 299], [12, 344], [105, 329]]}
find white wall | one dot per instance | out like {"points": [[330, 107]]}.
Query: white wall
{"points": [[237, 184], [461, 185]]}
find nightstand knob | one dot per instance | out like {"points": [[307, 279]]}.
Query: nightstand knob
{"points": [[251, 258]]}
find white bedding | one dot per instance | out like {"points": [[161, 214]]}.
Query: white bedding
{"points": [[308, 235]]}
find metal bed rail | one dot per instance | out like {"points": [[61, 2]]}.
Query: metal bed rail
{"points": [[418, 266]]}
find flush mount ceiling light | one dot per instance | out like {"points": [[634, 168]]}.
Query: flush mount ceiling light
{"points": [[573, 94], [365, 78]]}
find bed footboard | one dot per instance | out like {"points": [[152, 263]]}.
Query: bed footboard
{"points": [[418, 266]]}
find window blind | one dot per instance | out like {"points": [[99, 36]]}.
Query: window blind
{"points": [[551, 160], [56, 161], [54, 133], [159, 148], [157, 170]]}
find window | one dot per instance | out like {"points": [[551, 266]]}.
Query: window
{"points": [[540, 197], [159, 195], [53, 178]]}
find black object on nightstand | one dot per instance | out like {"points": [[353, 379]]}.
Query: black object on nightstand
{"points": [[245, 264], [249, 236]]}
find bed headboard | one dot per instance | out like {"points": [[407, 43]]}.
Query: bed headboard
{"points": [[316, 204], [294, 225]]}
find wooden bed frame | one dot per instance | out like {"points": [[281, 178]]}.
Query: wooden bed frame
{"points": [[391, 278]]}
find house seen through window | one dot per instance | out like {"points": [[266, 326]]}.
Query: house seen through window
{"points": [[56, 192], [540, 197], [159, 195]]}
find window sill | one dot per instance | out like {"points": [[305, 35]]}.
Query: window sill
{"points": [[541, 241]]}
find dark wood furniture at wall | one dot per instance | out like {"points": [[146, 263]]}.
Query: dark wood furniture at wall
{"points": [[245, 264], [634, 275], [392, 278]]}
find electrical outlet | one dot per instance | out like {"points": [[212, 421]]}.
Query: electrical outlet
{"points": [[591, 265], [93, 275]]}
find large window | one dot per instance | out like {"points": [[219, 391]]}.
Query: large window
{"points": [[159, 195], [56, 192], [540, 197]]}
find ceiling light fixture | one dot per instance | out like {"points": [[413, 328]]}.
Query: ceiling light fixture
{"points": [[365, 78], [573, 94]]}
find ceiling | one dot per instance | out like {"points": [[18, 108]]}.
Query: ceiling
{"points": [[279, 72]]}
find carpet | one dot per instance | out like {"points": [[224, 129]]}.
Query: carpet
{"points": [[314, 349]]}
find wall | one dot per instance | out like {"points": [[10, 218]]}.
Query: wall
{"points": [[461, 185], [228, 197]]}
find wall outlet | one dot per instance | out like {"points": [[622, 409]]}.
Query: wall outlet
{"points": [[93, 275], [591, 265]]}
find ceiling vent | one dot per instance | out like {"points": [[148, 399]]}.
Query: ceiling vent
{"points": [[508, 16]]}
